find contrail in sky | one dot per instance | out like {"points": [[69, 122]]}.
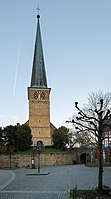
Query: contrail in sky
{"points": [[17, 64]]}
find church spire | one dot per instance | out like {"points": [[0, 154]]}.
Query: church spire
{"points": [[38, 78]]}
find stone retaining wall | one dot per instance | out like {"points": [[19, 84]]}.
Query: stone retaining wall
{"points": [[19, 160]]}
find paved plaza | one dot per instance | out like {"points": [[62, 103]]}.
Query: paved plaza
{"points": [[55, 185]]}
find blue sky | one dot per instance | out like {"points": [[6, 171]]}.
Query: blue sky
{"points": [[76, 36]]}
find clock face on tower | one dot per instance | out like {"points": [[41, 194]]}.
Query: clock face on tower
{"points": [[42, 95], [38, 95]]}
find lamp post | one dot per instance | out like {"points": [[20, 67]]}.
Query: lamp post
{"points": [[40, 148]]}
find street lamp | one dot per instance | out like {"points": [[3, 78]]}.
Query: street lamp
{"points": [[40, 148]]}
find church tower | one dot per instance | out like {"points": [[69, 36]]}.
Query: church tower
{"points": [[39, 95]]}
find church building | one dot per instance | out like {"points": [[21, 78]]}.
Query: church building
{"points": [[39, 96]]}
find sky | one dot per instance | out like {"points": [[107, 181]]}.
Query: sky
{"points": [[76, 37]]}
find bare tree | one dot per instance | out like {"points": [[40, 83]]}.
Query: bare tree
{"points": [[93, 120], [82, 138]]}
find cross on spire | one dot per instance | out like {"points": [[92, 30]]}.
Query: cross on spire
{"points": [[39, 78], [38, 10]]}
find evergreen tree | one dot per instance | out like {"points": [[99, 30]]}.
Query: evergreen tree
{"points": [[23, 138], [61, 137]]}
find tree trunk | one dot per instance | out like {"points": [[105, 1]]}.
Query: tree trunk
{"points": [[100, 160], [10, 155]]}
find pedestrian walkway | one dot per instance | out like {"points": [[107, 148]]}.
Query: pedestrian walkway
{"points": [[33, 195], [56, 185], [6, 177]]}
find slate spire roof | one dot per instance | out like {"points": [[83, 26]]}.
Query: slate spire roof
{"points": [[38, 78]]}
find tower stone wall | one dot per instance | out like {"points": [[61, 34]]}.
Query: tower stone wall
{"points": [[39, 115]]}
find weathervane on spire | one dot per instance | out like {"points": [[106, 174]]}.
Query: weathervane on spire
{"points": [[38, 16]]}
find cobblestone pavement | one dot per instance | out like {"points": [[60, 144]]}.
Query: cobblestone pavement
{"points": [[55, 185]]}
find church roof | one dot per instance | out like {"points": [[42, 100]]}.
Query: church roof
{"points": [[38, 78]]}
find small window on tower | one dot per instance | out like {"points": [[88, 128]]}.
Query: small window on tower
{"points": [[39, 121]]}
